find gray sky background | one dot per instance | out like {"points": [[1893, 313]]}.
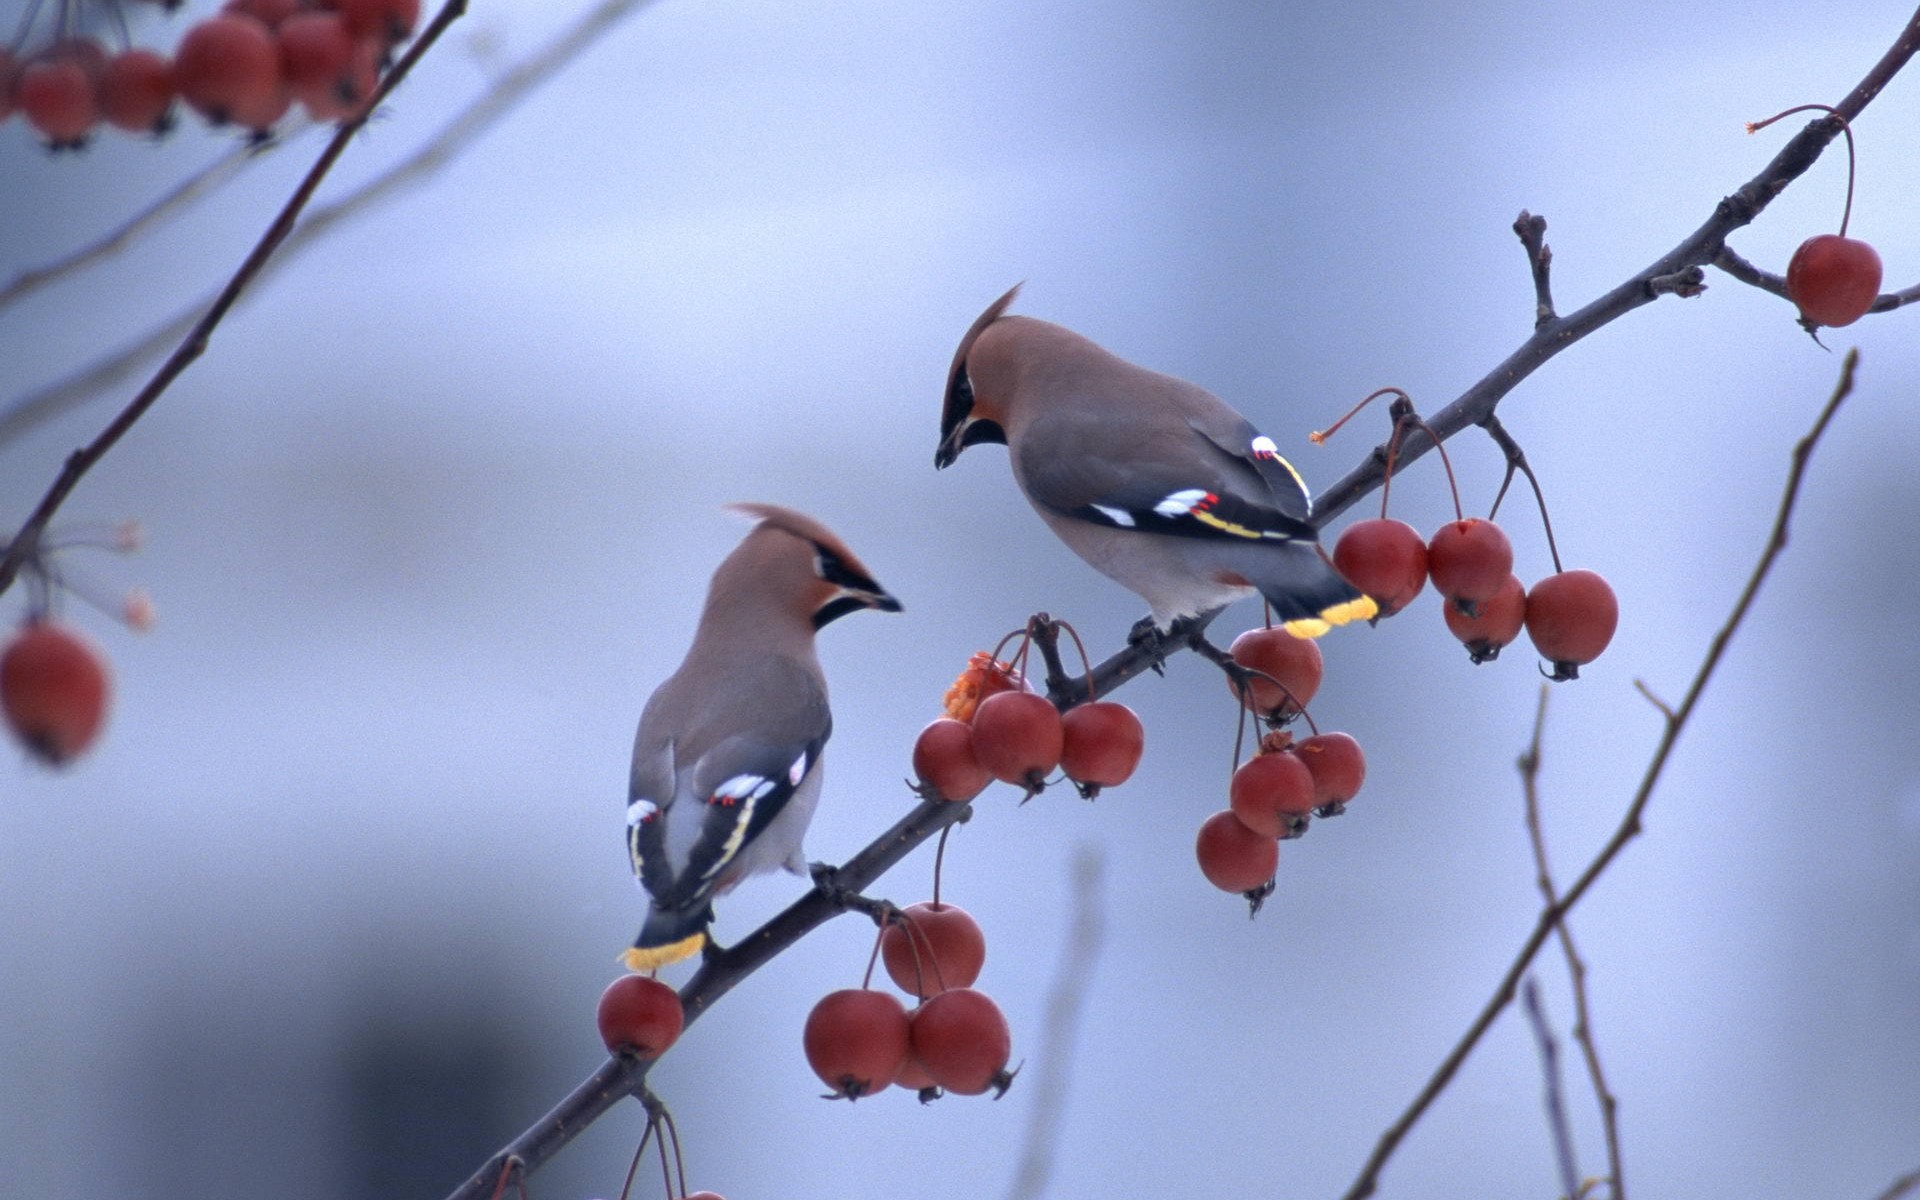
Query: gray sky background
{"points": [[328, 910]]}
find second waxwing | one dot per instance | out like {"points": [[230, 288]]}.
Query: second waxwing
{"points": [[726, 762], [1152, 480]]}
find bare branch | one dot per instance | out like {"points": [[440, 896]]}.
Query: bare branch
{"points": [[1529, 765], [1064, 1002], [1549, 1048], [1532, 232], [1902, 1186], [81, 461], [486, 110], [1550, 919], [1700, 248]]}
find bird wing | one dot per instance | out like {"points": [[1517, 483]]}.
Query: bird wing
{"points": [[701, 794], [1176, 476]]}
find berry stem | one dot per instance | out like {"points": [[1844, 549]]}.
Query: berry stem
{"points": [[1086, 665], [939, 857], [1445, 461], [867, 980], [1517, 461], [1846, 127], [679, 1161], [633, 1167]]}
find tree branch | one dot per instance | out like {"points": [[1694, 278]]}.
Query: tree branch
{"points": [[505, 94], [81, 461], [1673, 271], [1550, 919], [1529, 766]]}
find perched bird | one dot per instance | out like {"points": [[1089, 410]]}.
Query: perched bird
{"points": [[1154, 481], [726, 763]]}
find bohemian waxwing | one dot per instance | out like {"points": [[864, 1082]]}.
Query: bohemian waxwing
{"points": [[726, 763], [1155, 482]]}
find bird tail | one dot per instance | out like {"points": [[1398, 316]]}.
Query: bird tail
{"points": [[667, 937], [1308, 596]]}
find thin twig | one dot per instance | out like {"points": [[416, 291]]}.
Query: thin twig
{"points": [[1700, 248], [1901, 1186], [1529, 765], [201, 183], [486, 110], [1550, 919], [81, 461], [1549, 1048], [1071, 980], [1532, 232]]}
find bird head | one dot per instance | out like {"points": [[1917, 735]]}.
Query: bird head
{"points": [[967, 417], [798, 560]]}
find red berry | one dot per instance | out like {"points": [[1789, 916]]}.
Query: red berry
{"points": [[1269, 793], [855, 1040], [56, 96], [1018, 737], [640, 1016], [1469, 560], [1293, 661], [913, 1076], [136, 91], [1833, 279], [1496, 624], [937, 947], [703, 1196], [1571, 618], [1100, 745], [944, 761], [1233, 857], [1338, 769], [53, 691], [392, 20], [962, 1040], [228, 68], [1384, 558], [315, 51]]}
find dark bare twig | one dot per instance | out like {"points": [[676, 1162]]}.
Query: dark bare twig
{"points": [[1529, 765], [1055, 1068], [1900, 1187], [1532, 232], [1701, 247], [486, 110], [81, 461], [1549, 1047], [1629, 827]]}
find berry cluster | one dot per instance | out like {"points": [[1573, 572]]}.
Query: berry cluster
{"points": [[860, 1040], [1570, 615], [1273, 795], [996, 727], [246, 66]]}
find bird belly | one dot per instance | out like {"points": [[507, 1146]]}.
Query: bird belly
{"points": [[1154, 566]]}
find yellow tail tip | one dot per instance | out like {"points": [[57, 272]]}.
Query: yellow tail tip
{"points": [[1359, 609], [652, 958]]}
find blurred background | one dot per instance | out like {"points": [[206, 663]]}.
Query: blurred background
{"points": [[327, 912]]}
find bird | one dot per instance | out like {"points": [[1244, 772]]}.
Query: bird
{"points": [[726, 761], [1154, 481]]}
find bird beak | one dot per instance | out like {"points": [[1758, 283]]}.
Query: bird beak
{"points": [[850, 601], [963, 432]]}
